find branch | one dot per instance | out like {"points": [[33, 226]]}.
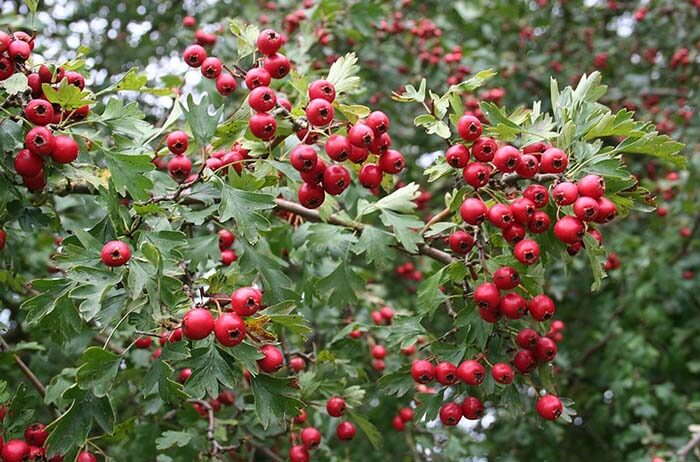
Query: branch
{"points": [[689, 446], [509, 179]]}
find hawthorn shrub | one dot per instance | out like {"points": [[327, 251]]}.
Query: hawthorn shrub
{"points": [[255, 273]]}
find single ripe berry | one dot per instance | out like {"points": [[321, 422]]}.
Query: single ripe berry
{"points": [[211, 67], [338, 147], [226, 239], [378, 121], [484, 149], [539, 223], [457, 156], [472, 408], [262, 99], [345, 431], [512, 306], [15, 450], [39, 112], [197, 324], [277, 65], [86, 456], [336, 406], [591, 186], [297, 363], [5, 40], [387, 314], [246, 301], [471, 372], [528, 166], [391, 161], [541, 307], [523, 209], [257, 77], [194, 55], [469, 127], [311, 438], [500, 216], [36, 434], [335, 179], [473, 211], [322, 89], [525, 361], [272, 359], [527, 252], [461, 242], [228, 256], [527, 338], [358, 155], [319, 112], [586, 208], [607, 210], [446, 373], [565, 193], [406, 414], [311, 195], [422, 371], [180, 167], [19, 51], [361, 135], [27, 163], [537, 194], [229, 329], [379, 352], [115, 253], [315, 175], [502, 373], [269, 42], [65, 149], [506, 278], [546, 349], [75, 78], [303, 157], [143, 342], [177, 142], [450, 414], [39, 140], [507, 159], [490, 316], [487, 296], [398, 424], [514, 234], [549, 407], [553, 160], [370, 176], [7, 67], [381, 144], [569, 229], [263, 126], [477, 174]]}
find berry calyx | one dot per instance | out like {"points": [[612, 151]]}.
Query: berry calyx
{"points": [[246, 301], [229, 329], [549, 407], [450, 414], [115, 253], [422, 371], [502, 373]]}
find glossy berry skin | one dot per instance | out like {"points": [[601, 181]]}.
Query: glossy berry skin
{"points": [[546, 349], [5, 40], [500, 216], [319, 112], [86, 456], [569, 229], [525, 361], [180, 167], [246, 301], [273, 359], [565, 193], [477, 174], [512, 306], [143, 343], [541, 307], [338, 147], [457, 156], [473, 211], [262, 99], [392, 161], [65, 149], [263, 126], [39, 112], [322, 89], [226, 84], [336, 406], [35, 183], [297, 364], [361, 135], [491, 316], [310, 195], [461, 242], [115, 253], [228, 256], [537, 194], [607, 210], [7, 67], [226, 239], [472, 408], [15, 451], [257, 77], [39, 140], [484, 149], [19, 51], [277, 65], [471, 372], [311, 438], [387, 314], [398, 424], [586, 208], [336, 179], [27, 163], [177, 142], [315, 175], [506, 278], [406, 414], [194, 55], [591, 186], [422, 371], [446, 373], [502, 373], [303, 158], [378, 352], [506, 159], [469, 127], [527, 252], [487, 296], [528, 166], [549, 407], [514, 234], [370, 176], [553, 160], [527, 338], [539, 223], [378, 122], [197, 324], [450, 414], [229, 329], [269, 42], [36, 434], [298, 453], [211, 67], [345, 431]]}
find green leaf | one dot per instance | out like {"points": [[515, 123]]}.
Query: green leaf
{"points": [[69, 96], [16, 83], [430, 297], [410, 94], [343, 73], [376, 244], [596, 255], [368, 428], [398, 382], [11, 135], [258, 259], [247, 36], [127, 119], [292, 322], [98, 371], [405, 229], [171, 438], [209, 368], [169, 391], [201, 121], [353, 112], [340, 285], [401, 200], [93, 286], [244, 207], [273, 401], [246, 354], [405, 331], [127, 174]]}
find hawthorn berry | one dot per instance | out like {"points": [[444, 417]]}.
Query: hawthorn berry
{"points": [[472, 408], [553, 160], [315, 175], [358, 155], [310, 195], [86, 456], [527, 252], [361, 135], [569, 229], [506, 278], [457, 156], [387, 314], [565, 193], [226, 239], [263, 126], [338, 147], [269, 42], [370, 176], [177, 142], [39, 112], [272, 359], [541, 307], [311, 438], [461, 242], [27, 163], [491, 316], [512, 306], [591, 186], [391, 161], [19, 51], [319, 112], [115, 253], [39, 140], [514, 234], [257, 77], [473, 211], [398, 424], [301, 418], [336, 179], [586, 208], [194, 55], [506, 159], [246, 301], [381, 144], [487, 296], [7, 67], [527, 338], [546, 349], [549, 407], [500, 216], [502, 373], [262, 99], [336, 406], [180, 167], [65, 149], [303, 157], [378, 122], [211, 67], [523, 209], [422, 371], [345, 431], [277, 65], [406, 414], [539, 223], [228, 256], [297, 363], [446, 373], [607, 210], [197, 324], [450, 414], [143, 342], [525, 361], [484, 149], [379, 352], [35, 183], [184, 375], [469, 127], [537, 194], [322, 89], [528, 166], [477, 174], [15, 450], [36, 434], [471, 372]]}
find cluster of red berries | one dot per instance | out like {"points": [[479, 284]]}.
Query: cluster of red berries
{"points": [[409, 272], [31, 448], [311, 437], [226, 240], [225, 398], [40, 141], [211, 67], [399, 421]]}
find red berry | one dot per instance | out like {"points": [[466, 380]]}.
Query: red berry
{"points": [[549, 407], [143, 342], [507, 159], [469, 127], [607, 210], [311, 438], [569, 229], [211, 67], [398, 424], [228, 256], [338, 147], [322, 89], [5, 40], [269, 42], [391, 161], [246, 301], [194, 55], [315, 175], [565, 193], [15, 450], [28, 164], [189, 22], [39, 140], [446, 373], [115, 253], [379, 352], [335, 179], [512, 306], [541, 307], [7, 67], [422, 371], [484, 149], [473, 211], [262, 99], [500, 216], [226, 239], [586, 208], [527, 252], [263, 126], [370, 176], [177, 142], [546, 349], [471, 372], [477, 174], [461, 242], [502, 373], [180, 167], [229, 329], [539, 223], [310, 195], [528, 166], [527, 338], [319, 112], [361, 135], [227, 398], [523, 209], [358, 155], [303, 157], [524, 361], [39, 112], [378, 122], [387, 313], [472, 408], [36, 434], [450, 414], [65, 149], [553, 161], [457, 156], [514, 234], [506, 278], [591, 186], [86, 456], [75, 78], [487, 296], [406, 414], [19, 51], [197, 324], [272, 360], [345, 431], [336, 406], [297, 363], [537, 194], [277, 65], [257, 77], [491, 316]]}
